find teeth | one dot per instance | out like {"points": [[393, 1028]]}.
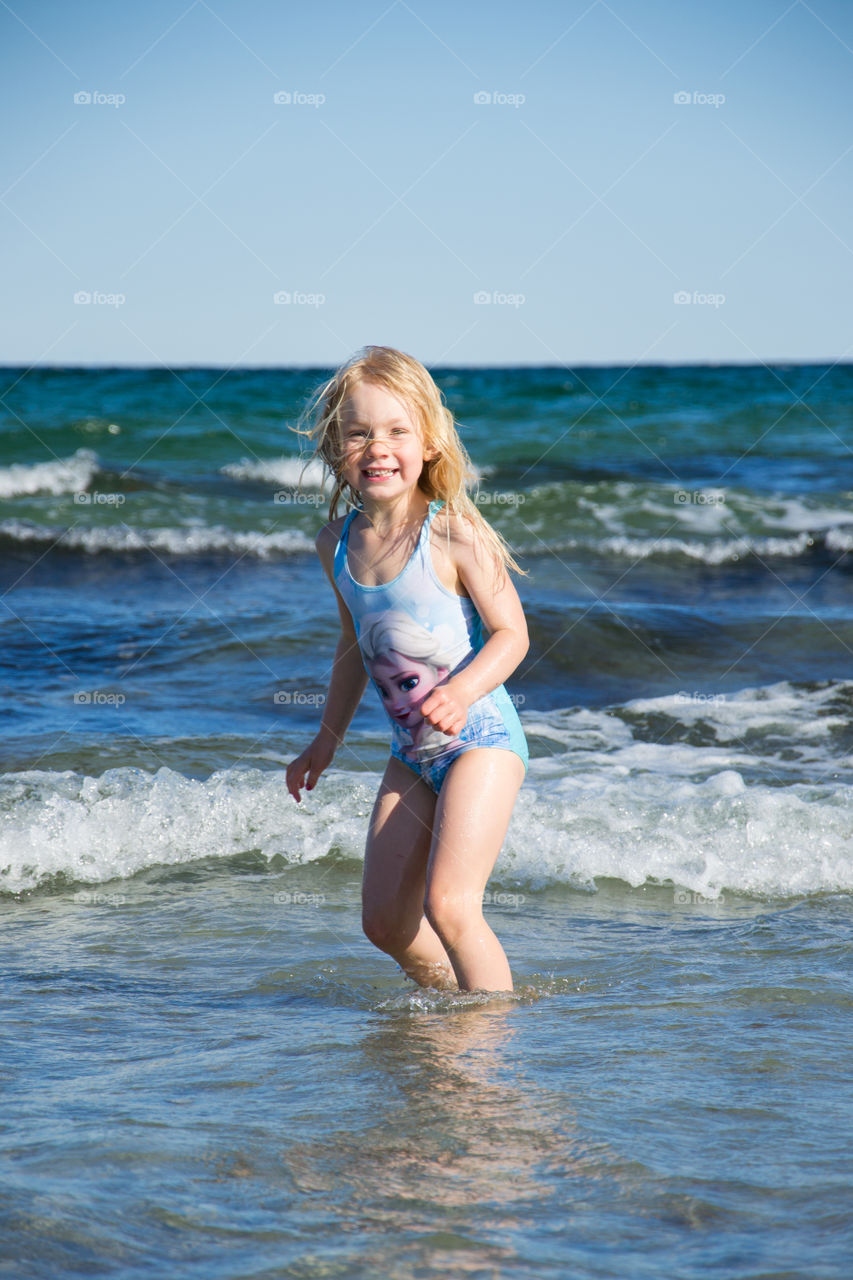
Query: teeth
{"points": [[387, 472]]}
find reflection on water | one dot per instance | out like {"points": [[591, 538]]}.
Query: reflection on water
{"points": [[459, 1149]]}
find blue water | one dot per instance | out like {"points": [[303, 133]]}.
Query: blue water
{"points": [[208, 1071]]}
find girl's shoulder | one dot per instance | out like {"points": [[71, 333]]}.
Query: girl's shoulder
{"points": [[332, 529], [456, 527], [328, 538]]}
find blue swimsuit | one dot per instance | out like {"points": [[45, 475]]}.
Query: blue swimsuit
{"points": [[413, 634]]}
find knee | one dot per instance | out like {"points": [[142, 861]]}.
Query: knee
{"points": [[383, 929], [450, 914]]}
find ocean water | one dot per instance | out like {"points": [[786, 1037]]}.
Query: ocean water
{"points": [[207, 1070]]}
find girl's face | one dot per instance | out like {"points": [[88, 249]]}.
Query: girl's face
{"points": [[404, 683], [383, 450]]}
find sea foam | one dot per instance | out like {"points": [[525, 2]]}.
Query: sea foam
{"points": [[61, 475], [727, 812]]}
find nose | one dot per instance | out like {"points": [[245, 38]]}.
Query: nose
{"points": [[375, 448]]}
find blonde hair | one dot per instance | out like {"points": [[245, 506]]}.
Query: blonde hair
{"points": [[396, 632], [445, 476]]}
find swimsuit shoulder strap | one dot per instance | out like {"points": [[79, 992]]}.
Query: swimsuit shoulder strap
{"points": [[341, 548], [422, 552]]}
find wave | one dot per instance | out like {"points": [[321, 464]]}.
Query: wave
{"points": [[624, 518], [725, 810], [63, 475], [179, 541], [286, 473], [717, 551]]}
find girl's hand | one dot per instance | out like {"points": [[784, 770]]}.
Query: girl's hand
{"points": [[445, 709], [306, 769]]}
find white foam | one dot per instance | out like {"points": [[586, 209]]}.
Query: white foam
{"points": [[734, 814], [708, 836], [839, 539], [188, 541], [63, 475], [95, 829], [781, 710], [285, 473]]}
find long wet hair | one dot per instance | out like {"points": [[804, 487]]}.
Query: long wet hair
{"points": [[447, 475]]}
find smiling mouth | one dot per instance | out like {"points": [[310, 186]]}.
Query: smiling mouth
{"points": [[380, 473]]}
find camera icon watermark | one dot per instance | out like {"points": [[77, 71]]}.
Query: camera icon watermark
{"points": [[684, 898], [298, 899], [85, 98], [699, 497], [499, 99], [95, 298], [295, 98], [497, 499], [290, 497], [93, 898], [688, 98], [296, 698], [501, 899], [98, 499], [98, 698], [684, 298], [293, 298], [486, 298]]}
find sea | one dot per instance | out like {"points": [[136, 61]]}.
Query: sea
{"points": [[208, 1073]]}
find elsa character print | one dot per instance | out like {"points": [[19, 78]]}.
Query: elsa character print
{"points": [[406, 663]]}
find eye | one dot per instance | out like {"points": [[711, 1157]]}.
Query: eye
{"points": [[408, 683]]}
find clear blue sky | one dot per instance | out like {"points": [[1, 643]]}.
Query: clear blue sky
{"points": [[399, 198]]}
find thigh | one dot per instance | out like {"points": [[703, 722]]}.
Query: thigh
{"points": [[398, 839], [471, 819]]}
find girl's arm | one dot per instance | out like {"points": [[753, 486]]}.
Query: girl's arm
{"points": [[503, 617], [346, 686]]}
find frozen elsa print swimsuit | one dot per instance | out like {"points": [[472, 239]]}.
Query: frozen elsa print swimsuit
{"points": [[413, 635]]}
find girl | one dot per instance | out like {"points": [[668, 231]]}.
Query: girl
{"points": [[414, 544]]}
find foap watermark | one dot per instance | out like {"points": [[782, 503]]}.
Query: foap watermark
{"points": [[287, 497], [699, 698], [98, 698], [94, 98], [699, 497], [95, 298], [486, 298], [293, 298], [94, 898], [296, 698], [517, 699], [492, 898], [496, 98], [286, 898], [683, 298], [296, 98], [98, 499], [498, 499], [696, 98], [684, 898]]}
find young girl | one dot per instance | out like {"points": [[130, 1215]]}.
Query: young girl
{"points": [[417, 572]]}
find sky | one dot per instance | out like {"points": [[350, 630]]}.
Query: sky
{"points": [[267, 183]]}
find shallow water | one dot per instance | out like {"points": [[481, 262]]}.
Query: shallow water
{"points": [[220, 1077]]}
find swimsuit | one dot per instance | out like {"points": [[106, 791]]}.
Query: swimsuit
{"points": [[413, 634]]}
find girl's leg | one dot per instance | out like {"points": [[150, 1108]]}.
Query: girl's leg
{"points": [[394, 883], [471, 819]]}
